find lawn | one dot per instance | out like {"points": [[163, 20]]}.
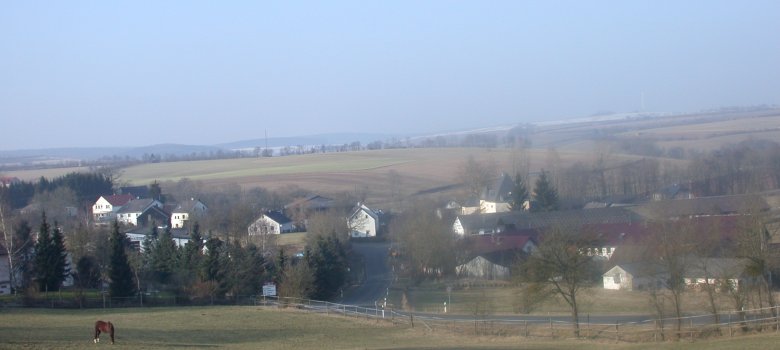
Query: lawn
{"points": [[429, 297], [255, 328]]}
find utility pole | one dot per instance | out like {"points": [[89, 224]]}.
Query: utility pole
{"points": [[9, 247]]}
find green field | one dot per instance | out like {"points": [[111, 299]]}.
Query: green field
{"points": [[430, 297], [268, 328]]}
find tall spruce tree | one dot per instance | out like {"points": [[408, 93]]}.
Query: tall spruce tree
{"points": [[50, 257], [164, 256], [519, 194], [23, 255], [192, 254], [545, 194], [59, 258], [120, 275], [328, 263]]}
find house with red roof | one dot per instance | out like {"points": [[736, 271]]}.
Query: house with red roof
{"points": [[106, 207]]}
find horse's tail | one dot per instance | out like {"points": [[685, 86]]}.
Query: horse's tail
{"points": [[111, 331]]}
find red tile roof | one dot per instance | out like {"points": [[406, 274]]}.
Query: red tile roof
{"points": [[118, 199]]}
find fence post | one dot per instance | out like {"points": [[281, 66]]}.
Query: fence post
{"points": [[552, 332], [411, 319], [690, 320], [655, 330], [587, 327], [525, 324], [731, 330], [617, 332]]}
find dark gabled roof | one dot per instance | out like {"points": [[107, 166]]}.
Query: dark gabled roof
{"points": [[500, 190], [118, 199], [715, 267], [136, 205], [526, 220], [313, 202], [718, 205], [363, 208], [135, 191], [641, 268], [187, 206], [483, 244], [505, 258], [278, 217], [155, 213], [618, 234]]}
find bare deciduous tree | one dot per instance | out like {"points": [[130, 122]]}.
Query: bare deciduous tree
{"points": [[476, 175], [426, 240], [560, 267]]}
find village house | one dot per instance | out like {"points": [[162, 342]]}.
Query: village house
{"points": [[715, 272], [702, 207], [634, 276], [300, 209], [364, 221], [132, 210], [106, 207], [138, 235], [7, 181], [495, 198], [154, 216], [186, 210], [490, 223], [272, 222], [491, 257]]}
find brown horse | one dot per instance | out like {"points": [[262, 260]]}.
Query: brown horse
{"points": [[105, 327]]}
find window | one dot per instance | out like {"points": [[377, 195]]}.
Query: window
{"points": [[616, 278]]}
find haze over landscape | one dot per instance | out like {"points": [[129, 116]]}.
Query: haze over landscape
{"points": [[93, 74]]}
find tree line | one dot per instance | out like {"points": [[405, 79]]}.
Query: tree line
{"points": [[204, 268]]}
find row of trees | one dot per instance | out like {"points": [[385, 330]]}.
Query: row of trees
{"points": [[560, 267], [202, 268]]}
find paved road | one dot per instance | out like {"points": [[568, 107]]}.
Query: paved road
{"points": [[377, 277]]}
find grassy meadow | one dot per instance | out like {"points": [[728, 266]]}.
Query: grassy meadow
{"points": [[504, 300], [270, 328]]}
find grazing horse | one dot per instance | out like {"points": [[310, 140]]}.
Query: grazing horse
{"points": [[105, 327]]}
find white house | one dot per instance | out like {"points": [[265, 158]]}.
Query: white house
{"points": [[495, 198], [272, 222], [106, 207], [186, 210], [363, 222], [634, 276], [714, 272], [130, 212], [137, 236]]}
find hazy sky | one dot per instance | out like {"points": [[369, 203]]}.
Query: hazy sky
{"points": [[106, 74]]}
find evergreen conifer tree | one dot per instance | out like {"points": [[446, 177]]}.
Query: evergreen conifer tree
{"points": [[42, 254], [51, 265], [164, 256], [24, 257], [545, 194], [120, 275], [519, 194]]}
